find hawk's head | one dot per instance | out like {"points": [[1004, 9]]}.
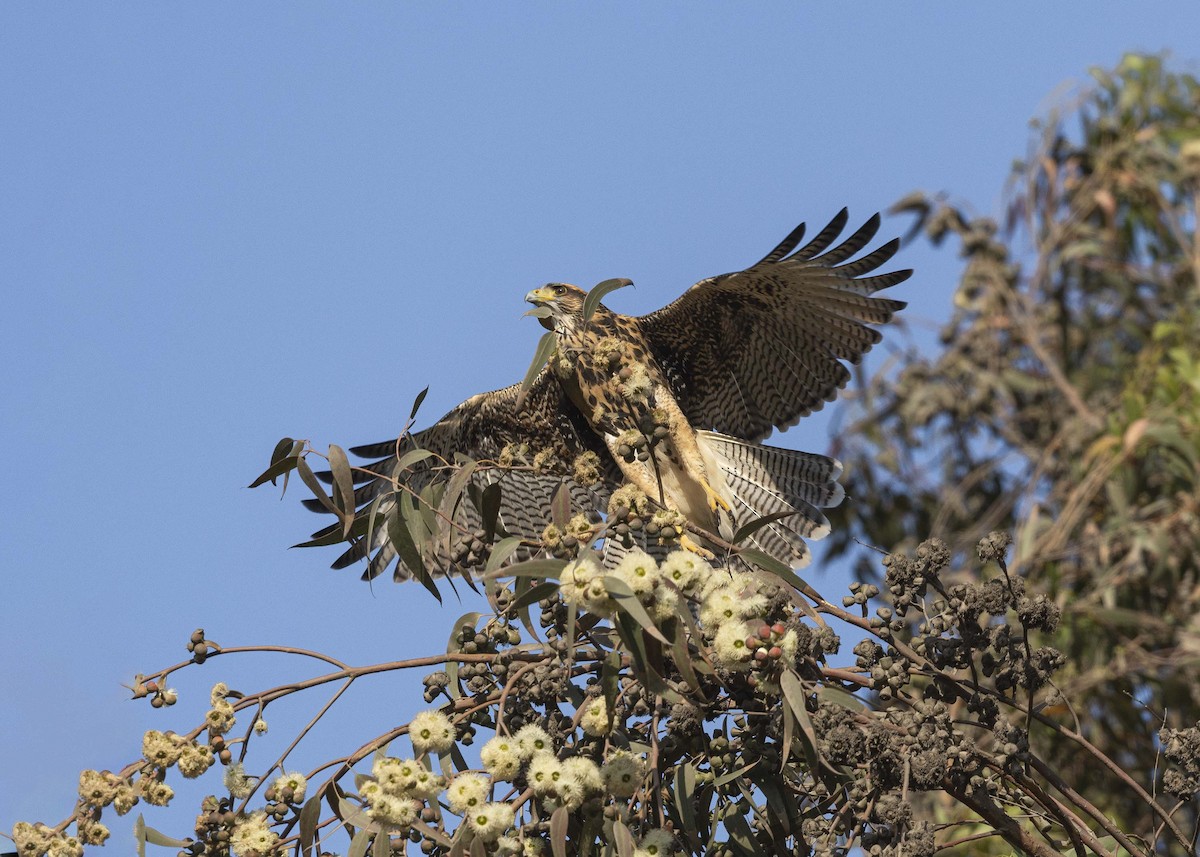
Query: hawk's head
{"points": [[564, 301]]}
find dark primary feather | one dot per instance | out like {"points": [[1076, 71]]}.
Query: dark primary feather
{"points": [[756, 350], [479, 428]]}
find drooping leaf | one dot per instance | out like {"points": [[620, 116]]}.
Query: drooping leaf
{"points": [[838, 696], [360, 843], [629, 603], [490, 510], [547, 568], [310, 814], [382, 846], [534, 594], [410, 458], [748, 529], [796, 698], [314, 485], [730, 776], [455, 488], [685, 799], [597, 293], [787, 575], [541, 355], [558, 831], [623, 839], [355, 816], [156, 837], [276, 469], [501, 551], [402, 538], [343, 486]]}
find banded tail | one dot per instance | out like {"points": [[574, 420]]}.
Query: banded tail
{"points": [[766, 480]]}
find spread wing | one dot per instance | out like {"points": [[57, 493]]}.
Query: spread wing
{"points": [[481, 429], [748, 352]]}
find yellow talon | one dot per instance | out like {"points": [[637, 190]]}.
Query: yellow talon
{"points": [[686, 542], [715, 500]]}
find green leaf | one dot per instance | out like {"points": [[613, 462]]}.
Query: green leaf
{"points": [[558, 831], [360, 842], [629, 603], [796, 698], [139, 835], [598, 292], [412, 457], [725, 779], [633, 640], [382, 846], [489, 509], [355, 816], [310, 814], [838, 696], [682, 657], [276, 469], [372, 512], [741, 835], [623, 839], [538, 312], [455, 488], [541, 355], [417, 404], [155, 837], [502, 550], [343, 486], [534, 594], [402, 538], [685, 799], [788, 576], [746, 530], [286, 448], [314, 485], [548, 568]]}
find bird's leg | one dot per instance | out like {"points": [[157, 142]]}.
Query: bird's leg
{"points": [[689, 544], [715, 500]]}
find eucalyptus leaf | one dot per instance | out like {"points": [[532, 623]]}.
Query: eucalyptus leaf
{"points": [[597, 293], [417, 403], [276, 469], [541, 356]]}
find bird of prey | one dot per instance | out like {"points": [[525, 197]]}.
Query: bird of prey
{"points": [[675, 403]]}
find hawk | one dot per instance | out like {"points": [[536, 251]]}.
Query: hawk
{"points": [[676, 403]]}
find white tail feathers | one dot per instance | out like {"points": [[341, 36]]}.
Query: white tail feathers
{"points": [[767, 480]]}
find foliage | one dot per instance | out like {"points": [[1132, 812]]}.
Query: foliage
{"points": [[1066, 406], [637, 704]]}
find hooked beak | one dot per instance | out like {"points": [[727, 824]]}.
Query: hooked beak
{"points": [[540, 296]]}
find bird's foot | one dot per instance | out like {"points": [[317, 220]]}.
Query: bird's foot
{"points": [[715, 500], [688, 544]]}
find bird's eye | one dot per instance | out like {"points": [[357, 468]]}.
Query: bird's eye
{"points": [[560, 290]]}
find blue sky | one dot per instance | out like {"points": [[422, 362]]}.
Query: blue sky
{"points": [[225, 223]]}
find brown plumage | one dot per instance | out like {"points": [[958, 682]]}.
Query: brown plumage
{"points": [[702, 381]]}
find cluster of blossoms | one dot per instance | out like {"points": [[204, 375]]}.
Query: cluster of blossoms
{"points": [[398, 791], [730, 606], [252, 836], [34, 840]]}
